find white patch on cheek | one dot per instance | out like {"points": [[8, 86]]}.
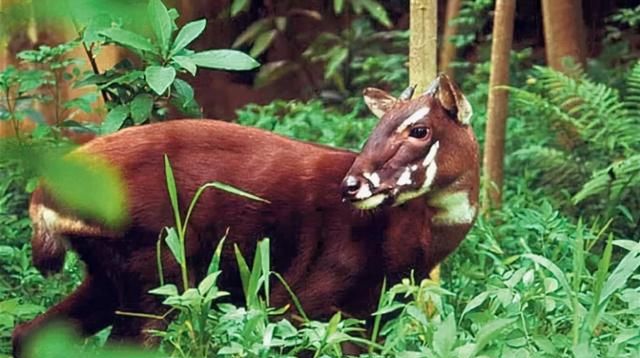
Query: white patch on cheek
{"points": [[405, 178], [373, 178], [453, 208], [413, 118], [364, 192], [431, 156]]}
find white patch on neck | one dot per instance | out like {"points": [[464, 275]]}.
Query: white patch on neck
{"points": [[373, 178], [452, 208], [405, 177], [364, 192], [413, 118]]}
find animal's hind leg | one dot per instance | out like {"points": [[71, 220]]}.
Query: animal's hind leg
{"points": [[89, 309]]}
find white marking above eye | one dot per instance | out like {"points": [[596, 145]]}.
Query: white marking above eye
{"points": [[413, 118], [373, 178]]}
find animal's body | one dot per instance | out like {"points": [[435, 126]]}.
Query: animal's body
{"points": [[330, 248]]}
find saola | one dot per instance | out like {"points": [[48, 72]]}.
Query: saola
{"points": [[339, 222]]}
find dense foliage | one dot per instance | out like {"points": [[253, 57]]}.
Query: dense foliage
{"points": [[553, 273]]}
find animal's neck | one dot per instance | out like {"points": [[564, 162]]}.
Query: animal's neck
{"points": [[454, 205]]}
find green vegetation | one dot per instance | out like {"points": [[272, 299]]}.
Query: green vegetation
{"points": [[554, 273]]}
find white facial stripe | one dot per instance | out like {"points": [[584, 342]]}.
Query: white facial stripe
{"points": [[430, 175], [431, 156], [413, 118], [373, 178], [405, 177], [370, 203], [364, 192], [452, 208]]}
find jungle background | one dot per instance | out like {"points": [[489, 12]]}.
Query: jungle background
{"points": [[551, 266]]}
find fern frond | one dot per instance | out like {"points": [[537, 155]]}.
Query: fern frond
{"points": [[616, 178], [557, 168], [632, 93]]}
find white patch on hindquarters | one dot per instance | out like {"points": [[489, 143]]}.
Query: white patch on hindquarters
{"points": [[413, 118], [373, 178], [58, 224], [431, 169], [452, 208]]}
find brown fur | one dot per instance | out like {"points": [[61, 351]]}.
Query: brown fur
{"points": [[332, 255]]}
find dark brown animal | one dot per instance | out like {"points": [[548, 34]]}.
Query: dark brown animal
{"points": [[338, 221]]}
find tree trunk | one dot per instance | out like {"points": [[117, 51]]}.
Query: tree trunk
{"points": [[448, 51], [498, 102], [563, 32], [423, 53]]}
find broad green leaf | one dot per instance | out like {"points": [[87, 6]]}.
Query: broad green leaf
{"points": [[255, 29], [165, 290], [262, 43], [208, 282], [128, 39], [377, 11], [224, 60], [160, 23], [338, 5], [475, 302], [173, 241], [159, 78], [444, 337], [238, 6], [187, 34], [183, 99], [214, 265], [626, 268], [114, 120], [555, 270], [337, 58], [491, 330], [141, 107], [92, 188], [186, 63]]}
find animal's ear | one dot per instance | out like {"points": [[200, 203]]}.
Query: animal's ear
{"points": [[451, 98], [378, 101]]}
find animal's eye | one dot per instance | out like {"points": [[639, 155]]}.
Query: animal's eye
{"points": [[418, 132]]}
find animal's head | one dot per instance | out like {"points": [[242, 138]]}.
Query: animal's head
{"points": [[419, 145]]}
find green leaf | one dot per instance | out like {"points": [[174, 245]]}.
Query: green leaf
{"points": [[214, 265], [491, 330], [114, 119], [338, 58], [444, 337], [555, 270], [244, 271], [338, 5], [262, 43], [183, 99], [475, 302], [224, 60], [238, 6], [377, 11], [160, 23], [173, 241], [173, 192], [128, 39], [159, 78], [165, 290], [186, 63], [236, 191], [626, 268], [251, 32], [187, 34], [141, 107]]}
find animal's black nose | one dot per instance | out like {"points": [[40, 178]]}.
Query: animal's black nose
{"points": [[350, 186]]}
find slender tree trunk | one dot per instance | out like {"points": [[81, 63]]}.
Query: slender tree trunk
{"points": [[448, 51], [498, 102], [423, 43], [423, 53], [564, 33]]}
